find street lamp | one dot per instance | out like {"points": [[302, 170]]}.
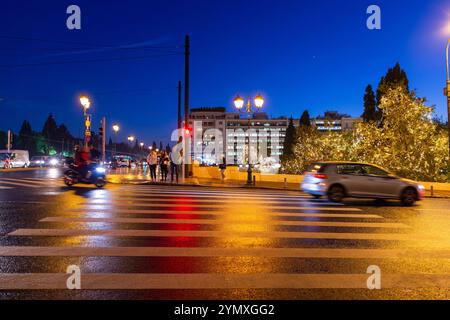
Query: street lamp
{"points": [[447, 93], [131, 138], [239, 104], [86, 103], [116, 129]]}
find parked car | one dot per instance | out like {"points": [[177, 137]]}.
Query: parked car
{"points": [[17, 158], [339, 180]]}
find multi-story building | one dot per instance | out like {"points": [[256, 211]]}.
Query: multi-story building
{"points": [[333, 121], [266, 135]]}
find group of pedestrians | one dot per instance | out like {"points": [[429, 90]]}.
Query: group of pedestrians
{"points": [[161, 164]]}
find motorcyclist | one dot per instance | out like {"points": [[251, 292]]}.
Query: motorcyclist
{"points": [[82, 161]]}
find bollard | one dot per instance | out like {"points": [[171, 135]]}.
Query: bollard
{"points": [[432, 191], [285, 183], [254, 180]]}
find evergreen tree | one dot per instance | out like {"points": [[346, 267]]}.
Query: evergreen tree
{"points": [[305, 119], [50, 129], [394, 77], [289, 141], [110, 142], [3, 140], [26, 139], [370, 110]]}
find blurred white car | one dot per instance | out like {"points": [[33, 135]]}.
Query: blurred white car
{"points": [[18, 158], [339, 180]]}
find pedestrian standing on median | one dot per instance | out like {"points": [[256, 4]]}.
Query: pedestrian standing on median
{"points": [[173, 167], [223, 168], [164, 165], [152, 160]]}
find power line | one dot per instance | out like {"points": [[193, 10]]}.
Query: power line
{"points": [[77, 43], [86, 61]]}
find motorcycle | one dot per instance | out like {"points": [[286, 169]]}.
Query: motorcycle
{"points": [[96, 176]]}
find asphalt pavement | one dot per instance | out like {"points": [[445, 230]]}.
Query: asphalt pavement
{"points": [[178, 242]]}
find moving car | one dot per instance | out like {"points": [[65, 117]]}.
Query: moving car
{"points": [[339, 180], [45, 161], [18, 158], [38, 161]]}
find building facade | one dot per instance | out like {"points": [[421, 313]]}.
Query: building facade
{"points": [[227, 134]]}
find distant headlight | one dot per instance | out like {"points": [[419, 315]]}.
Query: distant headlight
{"points": [[421, 187], [100, 170], [53, 162]]}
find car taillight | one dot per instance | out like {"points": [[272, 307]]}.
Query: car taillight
{"points": [[320, 176]]}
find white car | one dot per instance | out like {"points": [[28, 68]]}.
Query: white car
{"points": [[339, 180], [18, 158]]}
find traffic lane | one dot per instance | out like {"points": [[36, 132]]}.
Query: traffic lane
{"points": [[232, 294], [428, 218], [52, 173]]}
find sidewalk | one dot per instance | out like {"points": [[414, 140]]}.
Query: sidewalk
{"points": [[137, 178]]}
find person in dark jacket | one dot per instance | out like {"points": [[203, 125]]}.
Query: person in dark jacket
{"points": [[164, 165]]}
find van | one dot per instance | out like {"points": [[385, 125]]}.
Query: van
{"points": [[18, 158]]}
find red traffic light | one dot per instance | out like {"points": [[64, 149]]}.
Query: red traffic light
{"points": [[187, 131]]}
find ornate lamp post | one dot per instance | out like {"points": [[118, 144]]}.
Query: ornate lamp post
{"points": [[447, 93], [239, 104], [86, 103], [116, 129]]}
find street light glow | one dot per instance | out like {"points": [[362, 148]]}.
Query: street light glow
{"points": [[238, 102], [116, 128], [131, 138], [85, 102], [259, 101]]}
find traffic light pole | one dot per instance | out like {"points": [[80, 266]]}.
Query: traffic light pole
{"points": [[186, 161], [9, 141], [104, 139]]}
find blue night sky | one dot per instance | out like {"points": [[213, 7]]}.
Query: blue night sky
{"points": [[300, 54]]}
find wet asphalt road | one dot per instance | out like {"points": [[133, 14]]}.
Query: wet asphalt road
{"points": [[175, 242]]}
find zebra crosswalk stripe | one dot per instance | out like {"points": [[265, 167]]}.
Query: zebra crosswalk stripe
{"points": [[140, 281]]}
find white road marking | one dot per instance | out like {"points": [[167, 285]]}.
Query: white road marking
{"points": [[218, 234], [208, 192], [14, 182], [223, 212], [232, 221], [222, 252], [176, 205], [138, 281]]}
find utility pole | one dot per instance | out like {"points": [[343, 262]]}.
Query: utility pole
{"points": [[104, 139], [179, 105], [9, 146], [447, 93], [186, 145]]}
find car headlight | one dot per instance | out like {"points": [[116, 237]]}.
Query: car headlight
{"points": [[421, 187], [53, 162], [100, 170]]}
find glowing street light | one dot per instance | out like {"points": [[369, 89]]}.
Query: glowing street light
{"points": [[239, 104], [131, 138], [116, 129], [86, 103]]}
